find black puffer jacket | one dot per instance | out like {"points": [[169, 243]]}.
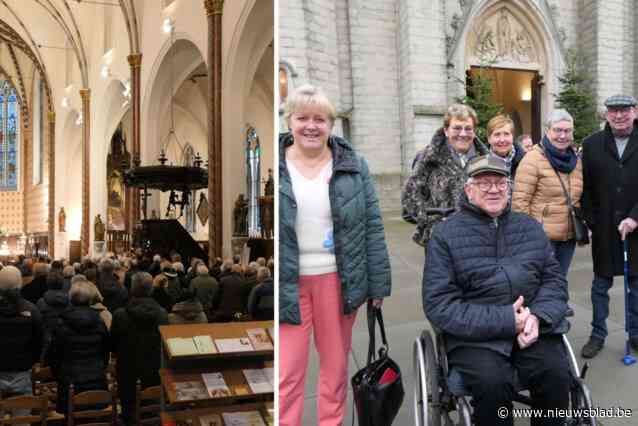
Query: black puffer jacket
{"points": [[136, 341], [20, 334], [475, 269], [79, 352], [51, 305]]}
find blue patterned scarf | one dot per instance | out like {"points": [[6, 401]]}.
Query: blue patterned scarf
{"points": [[564, 162]]}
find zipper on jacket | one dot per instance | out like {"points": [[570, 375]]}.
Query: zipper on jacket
{"points": [[335, 215]]}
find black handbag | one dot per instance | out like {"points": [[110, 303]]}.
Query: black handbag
{"points": [[378, 387], [581, 233]]}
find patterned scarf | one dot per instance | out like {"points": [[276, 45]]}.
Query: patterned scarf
{"points": [[509, 159], [564, 162]]}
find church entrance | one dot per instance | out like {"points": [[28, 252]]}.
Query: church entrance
{"points": [[519, 94]]}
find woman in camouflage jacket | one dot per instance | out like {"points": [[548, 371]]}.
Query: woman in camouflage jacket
{"points": [[438, 170]]}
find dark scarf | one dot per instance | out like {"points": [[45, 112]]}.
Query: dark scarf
{"points": [[564, 162]]}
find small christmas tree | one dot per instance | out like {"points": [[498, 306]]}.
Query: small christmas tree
{"points": [[479, 96], [577, 97]]}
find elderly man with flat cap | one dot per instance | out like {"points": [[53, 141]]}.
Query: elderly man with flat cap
{"points": [[492, 285], [610, 202]]}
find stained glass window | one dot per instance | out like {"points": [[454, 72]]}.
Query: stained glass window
{"points": [[9, 137]]}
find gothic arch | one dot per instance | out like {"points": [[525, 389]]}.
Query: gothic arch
{"points": [[531, 25]]}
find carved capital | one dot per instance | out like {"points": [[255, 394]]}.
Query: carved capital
{"points": [[51, 116], [85, 94], [214, 7], [135, 60]]}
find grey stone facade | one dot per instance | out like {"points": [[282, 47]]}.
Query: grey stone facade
{"points": [[392, 66]]}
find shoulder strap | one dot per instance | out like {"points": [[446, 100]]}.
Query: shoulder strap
{"points": [[569, 199]]}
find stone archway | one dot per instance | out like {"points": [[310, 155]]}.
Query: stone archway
{"points": [[518, 36]]}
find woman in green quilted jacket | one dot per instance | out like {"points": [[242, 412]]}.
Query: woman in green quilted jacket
{"points": [[332, 254]]}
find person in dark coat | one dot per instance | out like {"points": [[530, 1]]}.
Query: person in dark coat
{"points": [[137, 343], [34, 290], [610, 202], [230, 305], [115, 295], [79, 351], [205, 288], [52, 304], [188, 311], [260, 304], [20, 334], [160, 293], [496, 292], [249, 282]]}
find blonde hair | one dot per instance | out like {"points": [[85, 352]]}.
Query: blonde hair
{"points": [[497, 122], [459, 112], [305, 96]]}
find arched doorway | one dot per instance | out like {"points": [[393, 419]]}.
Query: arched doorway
{"points": [[511, 45]]}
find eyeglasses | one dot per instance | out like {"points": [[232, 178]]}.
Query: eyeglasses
{"points": [[485, 185], [459, 129], [559, 131], [618, 110]]}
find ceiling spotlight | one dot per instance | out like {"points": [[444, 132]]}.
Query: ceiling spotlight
{"points": [[105, 72], [167, 26]]}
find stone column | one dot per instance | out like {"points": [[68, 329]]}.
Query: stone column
{"points": [[133, 206], [214, 10], [51, 229], [86, 168]]}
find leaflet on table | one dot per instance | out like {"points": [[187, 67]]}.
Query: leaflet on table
{"points": [[188, 391], [243, 418], [196, 345], [204, 345], [211, 420], [258, 380], [259, 338], [239, 344], [215, 385]]}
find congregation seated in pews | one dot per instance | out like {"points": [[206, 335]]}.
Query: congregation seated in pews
{"points": [[94, 325]]}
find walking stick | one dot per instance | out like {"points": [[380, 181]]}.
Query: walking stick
{"points": [[628, 359]]}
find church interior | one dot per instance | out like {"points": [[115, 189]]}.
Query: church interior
{"points": [[136, 212], [98, 94]]}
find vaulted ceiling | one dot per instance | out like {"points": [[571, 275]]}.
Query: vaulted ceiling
{"points": [[28, 28]]}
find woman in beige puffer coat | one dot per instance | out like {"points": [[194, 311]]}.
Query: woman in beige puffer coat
{"points": [[538, 192]]}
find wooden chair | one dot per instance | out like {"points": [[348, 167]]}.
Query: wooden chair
{"points": [[43, 382], [92, 398], [24, 402], [147, 402]]}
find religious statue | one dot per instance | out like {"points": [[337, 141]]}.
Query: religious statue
{"points": [[269, 190], [267, 220], [253, 180], [240, 216], [99, 228], [62, 220], [504, 38]]}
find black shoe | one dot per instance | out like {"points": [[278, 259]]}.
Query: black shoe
{"points": [[633, 342], [592, 347]]}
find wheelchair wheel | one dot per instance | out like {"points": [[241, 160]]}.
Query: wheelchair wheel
{"points": [[581, 400], [427, 411]]}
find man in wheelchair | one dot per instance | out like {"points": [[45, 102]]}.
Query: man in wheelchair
{"points": [[493, 287]]}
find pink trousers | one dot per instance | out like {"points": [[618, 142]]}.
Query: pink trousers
{"points": [[322, 315]]}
